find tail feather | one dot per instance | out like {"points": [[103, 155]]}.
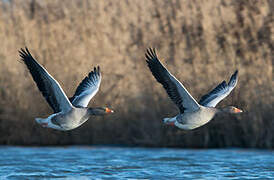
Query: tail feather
{"points": [[40, 120], [169, 120]]}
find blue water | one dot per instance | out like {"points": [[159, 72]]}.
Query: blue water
{"points": [[86, 162]]}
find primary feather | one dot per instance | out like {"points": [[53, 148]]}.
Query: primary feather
{"points": [[220, 92], [49, 87], [87, 88], [175, 90]]}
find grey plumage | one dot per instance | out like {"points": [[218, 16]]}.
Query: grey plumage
{"points": [[66, 116], [192, 115]]}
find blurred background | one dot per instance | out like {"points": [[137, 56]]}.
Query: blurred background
{"points": [[200, 42]]}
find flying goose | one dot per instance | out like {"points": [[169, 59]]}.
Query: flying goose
{"points": [[68, 113], [192, 114]]}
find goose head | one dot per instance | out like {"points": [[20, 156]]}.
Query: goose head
{"points": [[231, 109], [100, 111]]}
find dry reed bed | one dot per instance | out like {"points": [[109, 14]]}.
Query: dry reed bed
{"points": [[201, 42]]}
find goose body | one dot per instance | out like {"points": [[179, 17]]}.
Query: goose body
{"points": [[192, 114], [66, 120], [69, 113], [192, 120]]}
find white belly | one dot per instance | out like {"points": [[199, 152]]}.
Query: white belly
{"points": [[69, 120], [192, 120]]}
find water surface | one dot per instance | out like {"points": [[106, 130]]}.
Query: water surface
{"points": [[84, 162]]}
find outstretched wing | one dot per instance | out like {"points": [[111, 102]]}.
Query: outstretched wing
{"points": [[87, 88], [49, 87], [220, 92], [176, 91]]}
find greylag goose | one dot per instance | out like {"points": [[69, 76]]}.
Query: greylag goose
{"points": [[192, 114], [68, 113]]}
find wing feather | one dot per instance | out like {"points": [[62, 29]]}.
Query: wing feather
{"points": [[87, 88], [49, 87], [175, 90], [220, 92]]}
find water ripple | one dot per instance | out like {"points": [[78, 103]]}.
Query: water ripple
{"points": [[134, 163]]}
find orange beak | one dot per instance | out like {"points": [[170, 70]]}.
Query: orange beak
{"points": [[236, 110], [109, 110]]}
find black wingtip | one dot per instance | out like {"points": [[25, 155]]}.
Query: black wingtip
{"points": [[98, 69], [23, 53], [27, 50], [233, 79], [150, 54], [236, 72], [147, 53]]}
